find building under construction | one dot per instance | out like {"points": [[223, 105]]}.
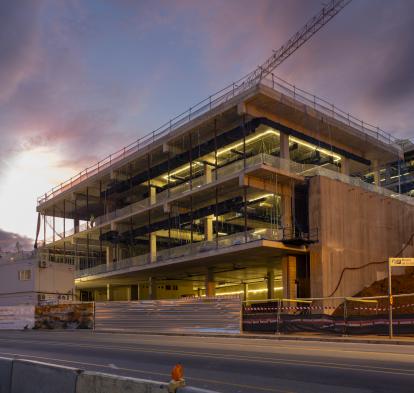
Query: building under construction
{"points": [[265, 191], [261, 189]]}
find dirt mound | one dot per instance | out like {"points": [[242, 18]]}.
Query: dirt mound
{"points": [[401, 284]]}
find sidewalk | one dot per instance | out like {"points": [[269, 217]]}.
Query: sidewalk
{"points": [[305, 336]]}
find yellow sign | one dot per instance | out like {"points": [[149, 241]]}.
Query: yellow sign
{"points": [[402, 261]]}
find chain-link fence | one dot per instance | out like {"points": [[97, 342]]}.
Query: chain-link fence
{"points": [[335, 315]]}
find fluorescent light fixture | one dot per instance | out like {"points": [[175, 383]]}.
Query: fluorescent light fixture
{"points": [[336, 157]]}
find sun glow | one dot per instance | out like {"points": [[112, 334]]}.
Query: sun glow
{"points": [[27, 175]]}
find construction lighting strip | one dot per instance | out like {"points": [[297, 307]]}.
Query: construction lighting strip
{"points": [[293, 139], [252, 291]]}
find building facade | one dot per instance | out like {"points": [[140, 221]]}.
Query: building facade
{"points": [[263, 191], [26, 280]]}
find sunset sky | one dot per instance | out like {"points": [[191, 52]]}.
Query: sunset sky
{"points": [[80, 79]]}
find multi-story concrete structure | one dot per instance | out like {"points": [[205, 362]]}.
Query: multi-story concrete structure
{"points": [[257, 190], [399, 175], [24, 279]]}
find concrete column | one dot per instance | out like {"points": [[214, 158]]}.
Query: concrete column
{"points": [[286, 207], [345, 165], [208, 173], [76, 225], [109, 255], [210, 284], [208, 228], [284, 151], [108, 292], [117, 256], [153, 195], [152, 288], [270, 283], [245, 290], [129, 293], [284, 146], [153, 247], [289, 277], [376, 171]]}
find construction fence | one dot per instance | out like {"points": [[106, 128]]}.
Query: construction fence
{"points": [[187, 315], [227, 314], [344, 316]]}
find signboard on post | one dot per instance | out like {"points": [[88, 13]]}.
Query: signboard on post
{"points": [[401, 262]]}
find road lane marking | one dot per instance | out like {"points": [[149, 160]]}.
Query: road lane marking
{"points": [[256, 359], [245, 344], [278, 361], [214, 381], [102, 345]]}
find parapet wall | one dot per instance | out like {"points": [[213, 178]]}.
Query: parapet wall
{"points": [[356, 228]]}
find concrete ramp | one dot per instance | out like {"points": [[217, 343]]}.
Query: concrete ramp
{"points": [[207, 315]]}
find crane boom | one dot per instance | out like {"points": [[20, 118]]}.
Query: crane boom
{"points": [[295, 42]]}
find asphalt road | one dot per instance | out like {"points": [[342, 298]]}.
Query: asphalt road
{"points": [[228, 365]]}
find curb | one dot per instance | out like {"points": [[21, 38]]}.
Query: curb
{"points": [[275, 337]]}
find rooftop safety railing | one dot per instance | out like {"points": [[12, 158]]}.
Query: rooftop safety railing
{"points": [[287, 90], [355, 181]]}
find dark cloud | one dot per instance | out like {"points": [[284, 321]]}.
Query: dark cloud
{"points": [[18, 43], [395, 77], [8, 241]]}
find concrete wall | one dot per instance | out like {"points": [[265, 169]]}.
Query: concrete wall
{"points": [[356, 227]]}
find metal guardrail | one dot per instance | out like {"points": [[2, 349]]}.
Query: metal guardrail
{"points": [[306, 170], [223, 173], [356, 181], [185, 250], [222, 96]]}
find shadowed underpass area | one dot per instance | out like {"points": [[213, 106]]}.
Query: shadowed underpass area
{"points": [[228, 365]]}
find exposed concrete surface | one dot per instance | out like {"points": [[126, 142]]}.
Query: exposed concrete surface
{"points": [[105, 383], [30, 377], [5, 374]]}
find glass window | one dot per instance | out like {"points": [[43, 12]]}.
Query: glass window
{"points": [[25, 275]]}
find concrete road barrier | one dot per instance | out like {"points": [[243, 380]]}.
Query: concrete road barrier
{"points": [[37, 377], [24, 376], [189, 389], [94, 382], [5, 374]]}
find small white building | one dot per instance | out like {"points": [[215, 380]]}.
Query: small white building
{"points": [[27, 279]]}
